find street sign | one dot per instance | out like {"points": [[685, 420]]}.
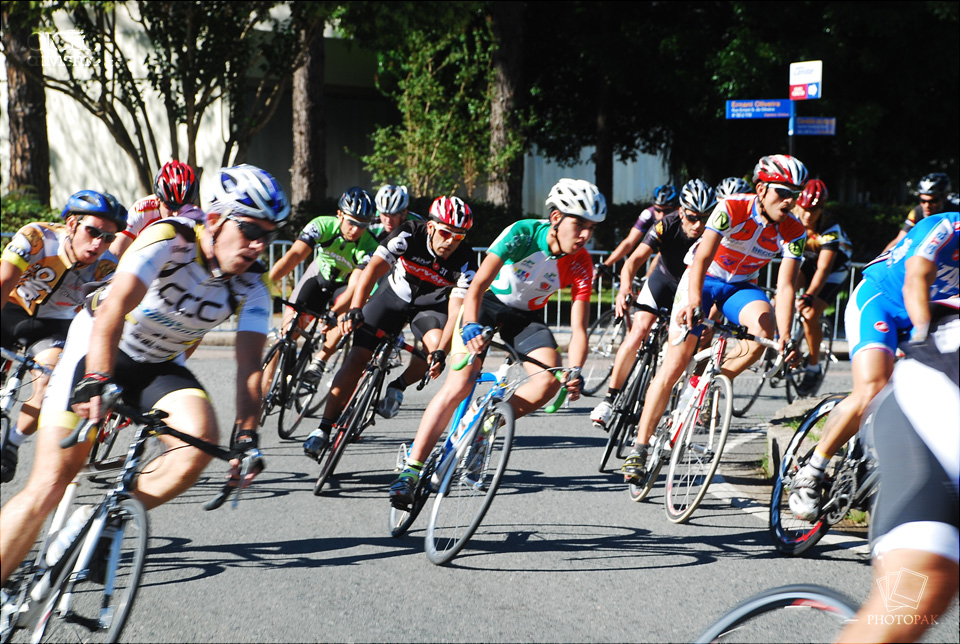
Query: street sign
{"points": [[777, 108], [815, 126], [806, 80]]}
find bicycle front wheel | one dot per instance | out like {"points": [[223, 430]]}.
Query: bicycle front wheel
{"points": [[813, 612], [603, 340], [300, 396], [352, 421], [468, 487], [274, 395], [93, 605], [697, 453], [326, 380], [401, 520]]}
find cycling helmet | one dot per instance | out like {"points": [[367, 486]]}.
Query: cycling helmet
{"points": [[249, 191], [578, 198], [452, 211], [698, 196], [935, 183], [392, 200], [780, 168], [176, 185], [357, 204], [814, 194], [98, 204], [665, 195], [733, 186]]}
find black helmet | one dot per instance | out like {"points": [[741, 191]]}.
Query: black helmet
{"points": [[357, 204]]}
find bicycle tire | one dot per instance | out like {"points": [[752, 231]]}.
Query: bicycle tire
{"points": [[749, 383], [401, 520], [792, 535], [815, 611], [299, 397], [639, 491], [624, 408], [274, 393], [89, 606], [630, 436], [326, 380], [351, 423], [603, 340], [696, 455], [468, 488]]}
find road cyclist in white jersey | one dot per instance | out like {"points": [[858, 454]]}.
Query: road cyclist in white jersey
{"points": [[178, 281], [393, 209]]}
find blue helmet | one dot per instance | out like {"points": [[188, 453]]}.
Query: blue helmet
{"points": [[666, 195], [357, 204], [98, 204], [251, 192]]}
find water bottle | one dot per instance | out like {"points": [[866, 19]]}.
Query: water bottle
{"points": [[688, 393], [68, 533]]}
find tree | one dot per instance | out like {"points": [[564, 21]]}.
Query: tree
{"points": [[26, 104]]}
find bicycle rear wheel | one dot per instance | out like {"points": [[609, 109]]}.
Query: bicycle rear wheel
{"points": [[814, 613], [300, 396], [603, 340], [697, 453], [625, 405], [401, 520], [117, 562], [792, 535], [747, 385], [352, 421], [468, 488]]}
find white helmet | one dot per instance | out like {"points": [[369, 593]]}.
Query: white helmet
{"points": [[733, 186], [780, 168], [392, 199], [249, 191], [698, 196], [578, 198]]}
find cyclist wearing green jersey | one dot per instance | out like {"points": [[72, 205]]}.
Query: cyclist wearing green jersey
{"points": [[526, 264], [341, 246]]}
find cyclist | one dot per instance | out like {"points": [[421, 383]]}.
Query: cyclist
{"points": [[525, 265], [824, 272], [341, 246], [178, 280], [733, 186], [429, 273], [672, 237], [934, 195], [916, 512], [392, 210], [175, 192], [744, 233], [42, 274], [666, 200], [892, 299]]}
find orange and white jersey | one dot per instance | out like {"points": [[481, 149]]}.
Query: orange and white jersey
{"points": [[749, 241], [147, 210]]}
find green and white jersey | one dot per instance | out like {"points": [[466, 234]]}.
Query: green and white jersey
{"points": [[334, 253]]}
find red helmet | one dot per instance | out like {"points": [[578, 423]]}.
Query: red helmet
{"points": [[452, 211], [814, 195], [176, 185], [780, 168]]}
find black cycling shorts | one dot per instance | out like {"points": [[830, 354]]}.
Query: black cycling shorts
{"points": [[658, 292], [523, 330], [145, 383], [835, 281], [314, 292], [389, 313], [16, 325]]}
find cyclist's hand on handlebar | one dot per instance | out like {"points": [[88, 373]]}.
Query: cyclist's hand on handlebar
{"points": [[244, 469], [85, 399], [351, 320], [438, 360], [625, 297], [789, 351], [689, 316], [472, 336], [573, 381]]}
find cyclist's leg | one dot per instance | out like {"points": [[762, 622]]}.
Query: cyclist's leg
{"points": [[746, 304], [532, 338], [427, 327], [642, 321], [675, 361], [30, 410], [346, 379]]}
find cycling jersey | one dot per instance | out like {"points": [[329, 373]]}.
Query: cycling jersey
{"points": [[419, 276], [379, 232], [332, 251], [147, 210], [647, 218], [184, 298], [51, 286], [916, 213], [829, 236], [531, 274], [749, 241], [667, 238]]}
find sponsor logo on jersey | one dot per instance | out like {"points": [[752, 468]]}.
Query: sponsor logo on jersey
{"points": [[796, 247], [720, 220], [544, 286], [659, 228], [881, 326]]}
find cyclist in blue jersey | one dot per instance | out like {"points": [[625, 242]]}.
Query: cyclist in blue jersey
{"points": [[892, 300]]}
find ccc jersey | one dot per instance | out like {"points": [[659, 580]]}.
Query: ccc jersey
{"points": [[419, 276], [749, 241], [334, 253], [184, 298], [935, 238], [147, 210], [51, 287], [531, 274]]}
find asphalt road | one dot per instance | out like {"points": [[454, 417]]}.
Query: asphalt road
{"points": [[562, 556]]}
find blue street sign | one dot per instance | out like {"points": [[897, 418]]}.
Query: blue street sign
{"points": [[815, 126], [776, 108]]}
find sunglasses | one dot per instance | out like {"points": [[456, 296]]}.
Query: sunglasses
{"points": [[446, 233], [96, 233], [661, 209], [356, 223], [252, 231], [929, 201], [693, 217], [784, 192]]}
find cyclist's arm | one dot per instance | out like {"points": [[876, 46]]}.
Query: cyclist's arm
{"points": [[290, 260], [120, 245], [624, 248], [9, 276], [630, 267], [481, 282], [786, 278], [579, 316], [249, 348], [825, 261], [709, 244], [375, 270], [917, 280]]}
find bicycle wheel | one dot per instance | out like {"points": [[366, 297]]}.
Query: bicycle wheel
{"points": [[326, 380], [274, 396], [747, 385], [624, 409], [354, 418], [813, 613], [401, 520], [792, 535], [467, 489], [658, 447], [299, 398], [697, 453], [117, 561], [640, 398], [603, 340]]}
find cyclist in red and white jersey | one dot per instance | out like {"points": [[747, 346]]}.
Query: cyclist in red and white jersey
{"points": [[743, 235]]}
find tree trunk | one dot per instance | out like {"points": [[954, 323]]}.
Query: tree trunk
{"points": [[603, 157], [27, 109], [506, 181], [308, 176]]}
